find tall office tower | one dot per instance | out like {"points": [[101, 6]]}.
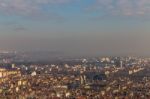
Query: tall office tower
{"points": [[13, 66], [121, 64]]}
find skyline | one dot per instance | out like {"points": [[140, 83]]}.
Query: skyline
{"points": [[76, 27]]}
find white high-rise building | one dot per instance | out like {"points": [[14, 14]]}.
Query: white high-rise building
{"points": [[121, 64]]}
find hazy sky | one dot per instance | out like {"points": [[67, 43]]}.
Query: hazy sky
{"points": [[76, 27]]}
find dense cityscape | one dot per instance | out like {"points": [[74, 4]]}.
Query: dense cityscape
{"points": [[79, 78], [74, 49]]}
